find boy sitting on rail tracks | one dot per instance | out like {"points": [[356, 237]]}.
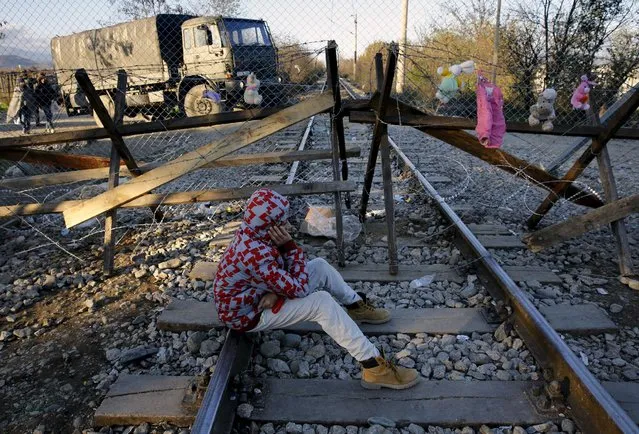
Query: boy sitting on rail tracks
{"points": [[264, 282]]}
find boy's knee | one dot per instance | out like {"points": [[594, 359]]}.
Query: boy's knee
{"points": [[319, 262], [322, 298]]}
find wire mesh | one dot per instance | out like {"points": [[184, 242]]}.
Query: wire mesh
{"points": [[191, 59]]}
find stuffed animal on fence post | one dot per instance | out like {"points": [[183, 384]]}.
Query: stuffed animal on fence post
{"points": [[451, 82], [581, 96], [251, 95], [543, 111]]}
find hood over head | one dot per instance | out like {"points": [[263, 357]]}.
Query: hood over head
{"points": [[265, 208]]}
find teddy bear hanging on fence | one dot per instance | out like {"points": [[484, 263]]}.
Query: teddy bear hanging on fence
{"points": [[543, 111], [451, 82], [581, 96], [251, 95]]}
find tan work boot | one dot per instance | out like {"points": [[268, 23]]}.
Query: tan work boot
{"points": [[387, 374], [361, 311]]}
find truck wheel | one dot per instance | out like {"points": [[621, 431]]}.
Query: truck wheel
{"points": [[195, 104], [108, 103]]}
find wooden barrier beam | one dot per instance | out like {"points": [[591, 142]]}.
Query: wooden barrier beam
{"points": [[610, 128], [109, 125], [196, 159], [110, 220], [228, 161], [454, 123], [186, 197], [579, 225], [56, 159], [139, 128], [338, 146], [511, 164]]}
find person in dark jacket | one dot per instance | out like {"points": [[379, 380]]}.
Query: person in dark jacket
{"points": [[44, 94], [28, 104]]}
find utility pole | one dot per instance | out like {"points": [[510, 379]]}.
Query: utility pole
{"points": [[496, 46], [401, 57], [355, 53]]}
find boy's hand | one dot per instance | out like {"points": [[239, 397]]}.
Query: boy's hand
{"points": [[267, 301], [279, 235]]}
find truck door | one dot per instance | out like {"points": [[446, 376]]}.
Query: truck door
{"points": [[204, 53]]}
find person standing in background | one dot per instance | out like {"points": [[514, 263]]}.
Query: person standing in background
{"points": [[44, 94]]}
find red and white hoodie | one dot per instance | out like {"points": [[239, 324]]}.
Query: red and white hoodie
{"points": [[253, 266]]}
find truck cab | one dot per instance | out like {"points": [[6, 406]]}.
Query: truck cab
{"points": [[219, 53]]}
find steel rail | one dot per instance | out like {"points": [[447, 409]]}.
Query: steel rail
{"points": [[217, 412], [307, 132], [594, 409]]}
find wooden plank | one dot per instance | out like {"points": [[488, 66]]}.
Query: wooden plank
{"points": [[114, 176], [511, 164], [337, 145], [627, 395], [374, 272], [193, 160], [184, 315], [109, 124], [581, 319], [139, 128], [618, 227], [447, 403], [183, 197], [488, 229], [455, 123], [135, 399], [578, 225], [56, 159], [530, 273], [500, 241], [379, 130], [610, 127], [493, 241], [181, 315], [229, 161]]}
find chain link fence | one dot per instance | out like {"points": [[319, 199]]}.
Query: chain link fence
{"points": [[191, 59]]}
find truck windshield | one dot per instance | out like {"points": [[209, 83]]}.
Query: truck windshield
{"points": [[247, 32]]}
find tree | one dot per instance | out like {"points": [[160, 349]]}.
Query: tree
{"points": [[520, 55], [572, 33], [226, 8], [136, 9], [622, 61]]}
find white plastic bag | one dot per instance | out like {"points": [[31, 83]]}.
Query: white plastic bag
{"points": [[422, 281], [320, 222]]}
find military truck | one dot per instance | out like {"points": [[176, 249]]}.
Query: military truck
{"points": [[175, 64]]}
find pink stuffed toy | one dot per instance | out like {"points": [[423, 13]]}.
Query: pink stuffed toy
{"points": [[581, 95], [491, 124]]}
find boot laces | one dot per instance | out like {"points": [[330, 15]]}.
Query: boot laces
{"points": [[391, 364], [367, 306]]}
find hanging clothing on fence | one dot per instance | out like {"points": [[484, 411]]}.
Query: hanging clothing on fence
{"points": [[491, 124]]}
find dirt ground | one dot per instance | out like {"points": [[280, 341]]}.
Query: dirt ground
{"points": [[46, 380]]}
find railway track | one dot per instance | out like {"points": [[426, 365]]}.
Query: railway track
{"points": [[514, 367]]}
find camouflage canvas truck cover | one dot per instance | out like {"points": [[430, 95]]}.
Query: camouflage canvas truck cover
{"points": [[150, 50], [172, 62]]}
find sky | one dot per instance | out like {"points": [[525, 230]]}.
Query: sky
{"points": [[31, 24]]}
